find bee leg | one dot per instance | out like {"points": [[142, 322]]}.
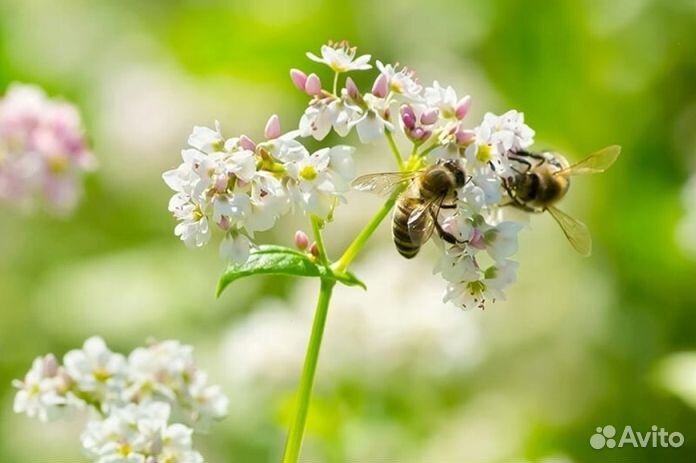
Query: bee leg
{"points": [[521, 161], [447, 236]]}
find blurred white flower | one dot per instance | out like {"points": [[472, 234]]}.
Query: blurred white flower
{"points": [[446, 101], [139, 433], [43, 392], [133, 399], [398, 325], [95, 369], [341, 57], [43, 151]]}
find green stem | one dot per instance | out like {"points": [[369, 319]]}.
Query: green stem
{"points": [[359, 242], [335, 83], [296, 434], [316, 230], [395, 149]]}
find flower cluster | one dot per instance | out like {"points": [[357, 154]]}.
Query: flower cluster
{"points": [[243, 186], [43, 152], [432, 119], [131, 398]]}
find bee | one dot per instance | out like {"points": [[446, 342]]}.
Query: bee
{"points": [[418, 208], [540, 180]]}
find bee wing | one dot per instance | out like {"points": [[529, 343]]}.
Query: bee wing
{"points": [[595, 163], [382, 183], [421, 222], [577, 232]]}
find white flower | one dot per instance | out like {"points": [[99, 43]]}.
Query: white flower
{"points": [[94, 368], [193, 228], [501, 240], [481, 191], [207, 140], [323, 115], [489, 287], [209, 402], [139, 433], [373, 121], [42, 393], [235, 248], [401, 82], [443, 98], [321, 178], [341, 58]]}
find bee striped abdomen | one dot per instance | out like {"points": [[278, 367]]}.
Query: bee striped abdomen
{"points": [[404, 240]]}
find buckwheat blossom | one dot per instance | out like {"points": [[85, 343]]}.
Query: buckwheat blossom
{"points": [[341, 57], [133, 400], [139, 433], [43, 393], [43, 151], [239, 187]]}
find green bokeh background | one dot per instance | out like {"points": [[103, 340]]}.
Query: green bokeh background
{"points": [[578, 344]]}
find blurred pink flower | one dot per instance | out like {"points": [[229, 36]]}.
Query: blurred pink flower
{"points": [[43, 152]]}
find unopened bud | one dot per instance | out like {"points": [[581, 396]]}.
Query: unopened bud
{"points": [[299, 79], [464, 137], [462, 108], [313, 85], [314, 249], [272, 129], [352, 89], [301, 240], [417, 133], [247, 143], [50, 365], [408, 117], [225, 223], [379, 88], [429, 117]]}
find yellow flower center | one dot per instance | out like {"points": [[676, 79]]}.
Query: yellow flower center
{"points": [[125, 450], [308, 173], [483, 153], [101, 375]]}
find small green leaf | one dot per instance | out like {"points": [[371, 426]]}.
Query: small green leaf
{"points": [[349, 279], [278, 260], [271, 260]]}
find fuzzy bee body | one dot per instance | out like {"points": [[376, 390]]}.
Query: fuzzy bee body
{"points": [[416, 212], [540, 180]]}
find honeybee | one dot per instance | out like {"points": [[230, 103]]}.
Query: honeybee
{"points": [[418, 208], [542, 179]]}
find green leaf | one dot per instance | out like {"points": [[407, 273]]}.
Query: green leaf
{"points": [[278, 260]]}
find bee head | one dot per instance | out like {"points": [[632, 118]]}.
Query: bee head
{"points": [[455, 168]]}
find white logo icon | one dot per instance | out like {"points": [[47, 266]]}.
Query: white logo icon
{"points": [[656, 437]]}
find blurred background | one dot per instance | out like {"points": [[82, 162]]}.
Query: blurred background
{"points": [[580, 343]]}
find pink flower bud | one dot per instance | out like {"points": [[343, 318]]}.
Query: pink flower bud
{"points": [[314, 250], [426, 134], [352, 89], [408, 117], [50, 365], [429, 117], [476, 239], [313, 85], [301, 240], [272, 129], [417, 133], [299, 79], [247, 143], [463, 107], [379, 88], [464, 137], [225, 223]]}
